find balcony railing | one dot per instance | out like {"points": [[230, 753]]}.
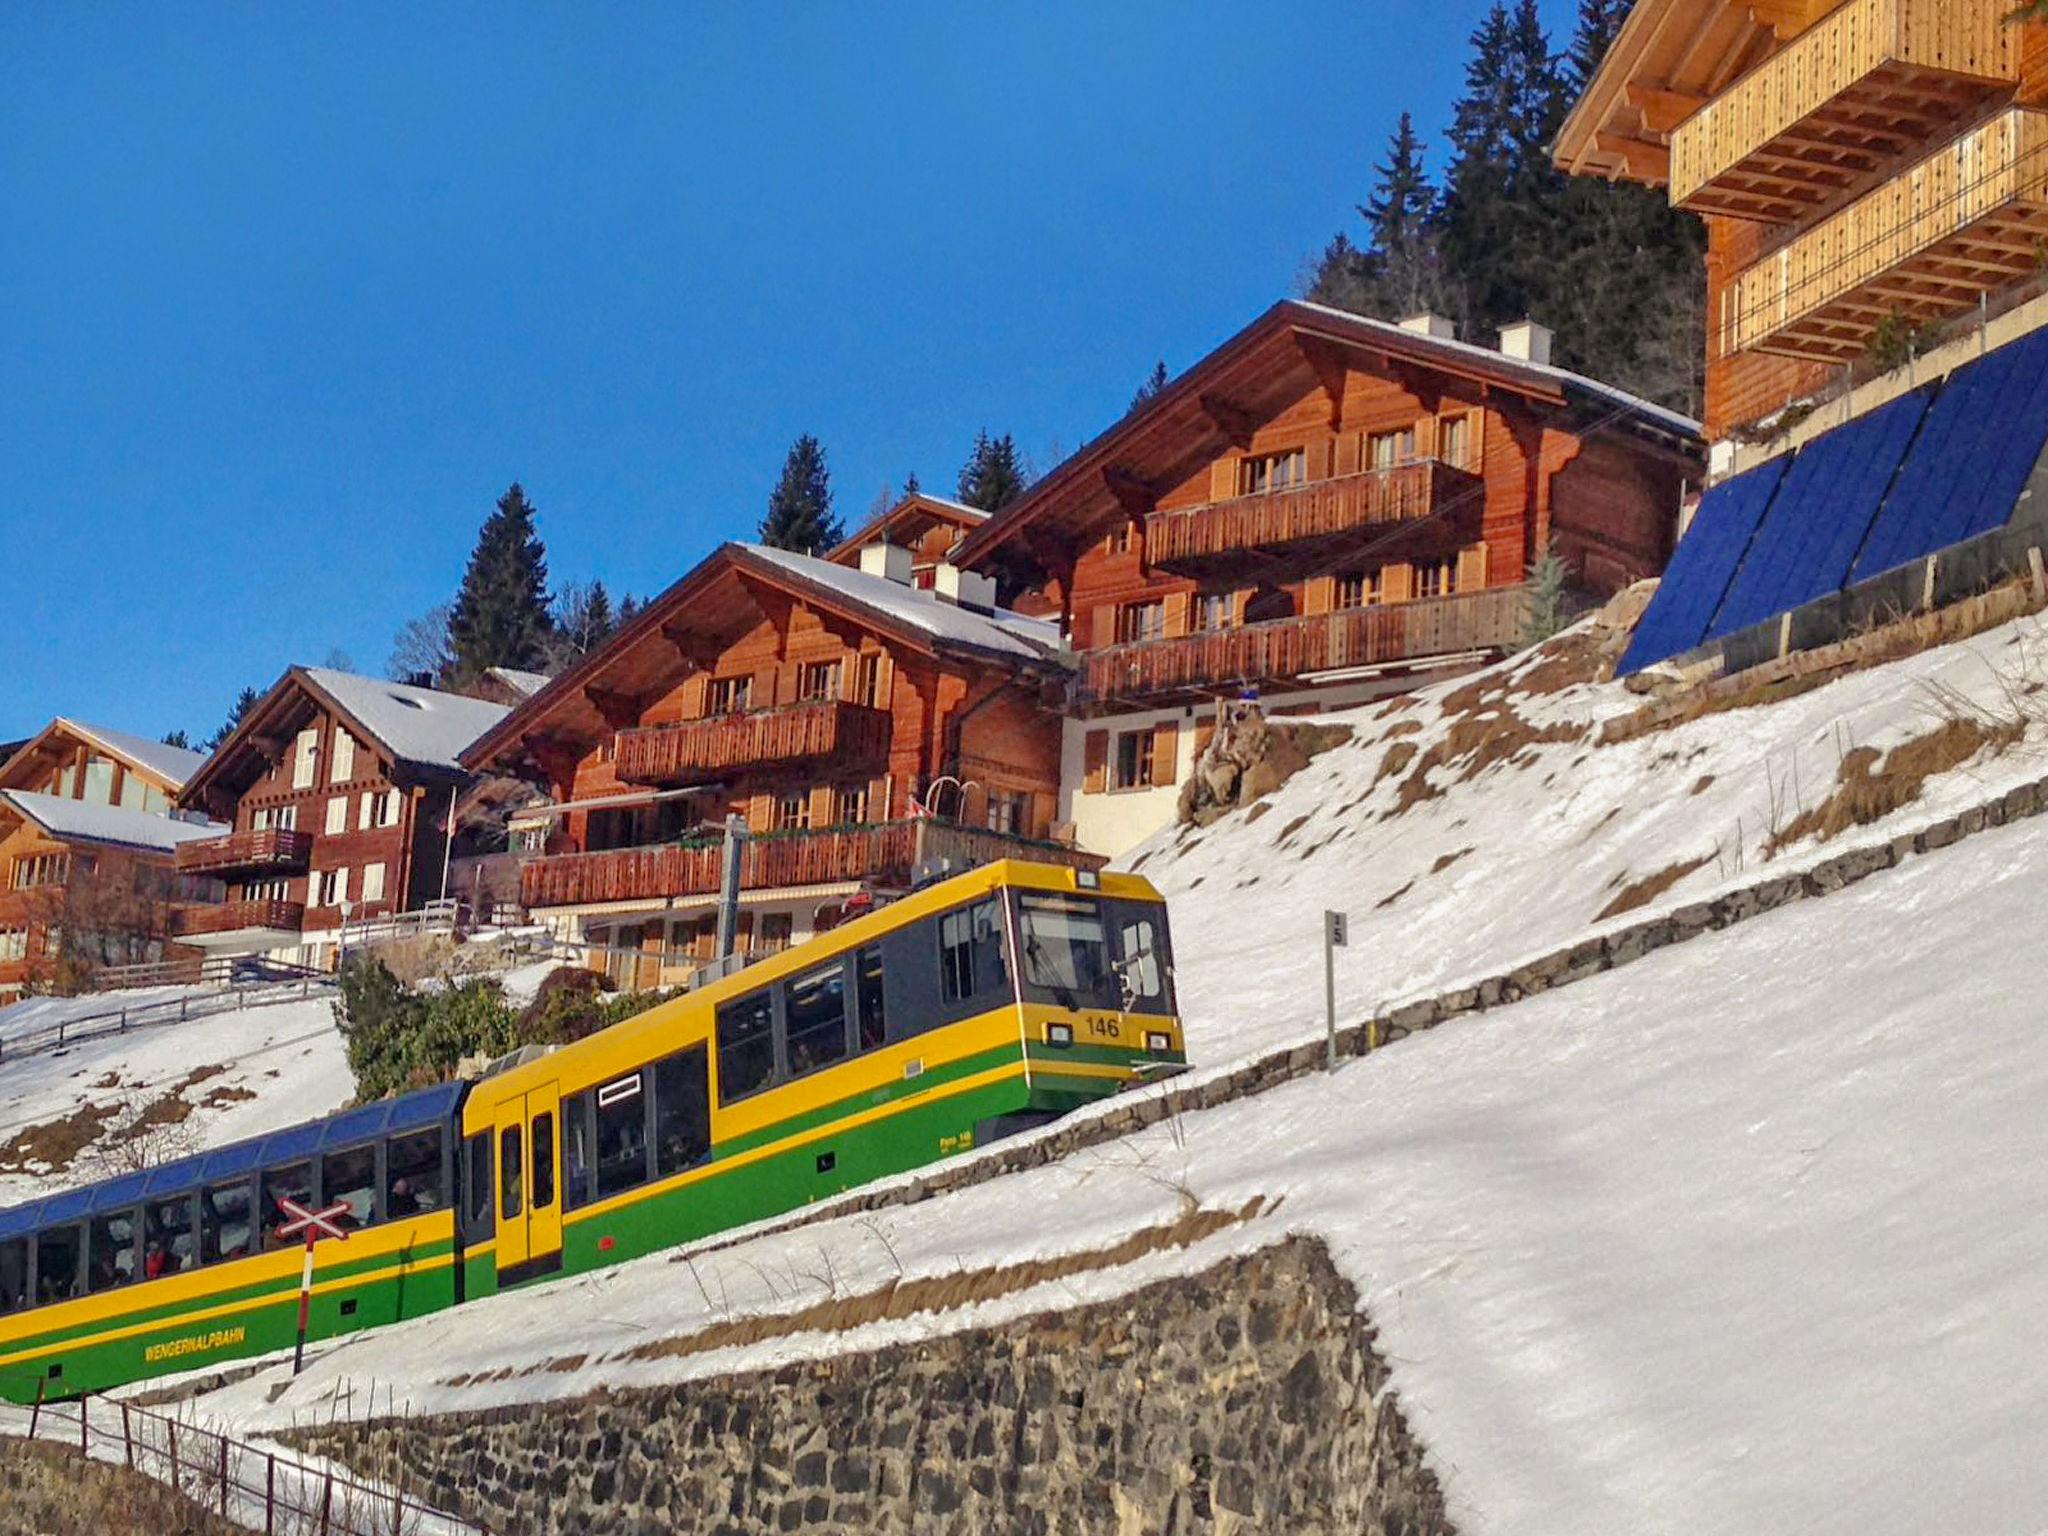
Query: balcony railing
{"points": [[1305, 513], [264, 850], [236, 917], [664, 754], [887, 855], [1282, 650], [1927, 245], [1844, 98]]}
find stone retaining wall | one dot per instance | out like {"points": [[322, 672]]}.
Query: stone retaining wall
{"points": [[1246, 1399]]}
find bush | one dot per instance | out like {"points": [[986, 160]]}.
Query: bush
{"points": [[570, 1006], [399, 1039]]}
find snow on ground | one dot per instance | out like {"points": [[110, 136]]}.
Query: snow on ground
{"points": [[35, 1015], [1522, 857], [1744, 1237]]}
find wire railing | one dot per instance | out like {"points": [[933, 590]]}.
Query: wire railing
{"points": [[174, 1010]]}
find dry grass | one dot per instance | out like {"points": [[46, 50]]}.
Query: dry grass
{"points": [[171, 1107], [1447, 860], [1389, 900], [1871, 785], [55, 1144], [1646, 890], [1706, 782]]}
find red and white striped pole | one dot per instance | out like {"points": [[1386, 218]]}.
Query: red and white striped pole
{"points": [[305, 1300]]}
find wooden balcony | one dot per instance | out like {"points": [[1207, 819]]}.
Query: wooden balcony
{"points": [[1303, 516], [886, 855], [1286, 650], [695, 749], [1869, 82], [237, 917], [1927, 245], [267, 850]]}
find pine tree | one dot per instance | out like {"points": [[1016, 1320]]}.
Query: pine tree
{"points": [[1153, 387], [245, 701], [992, 478], [800, 508], [910, 485], [501, 615], [1599, 24], [1402, 201], [1401, 271], [177, 738]]}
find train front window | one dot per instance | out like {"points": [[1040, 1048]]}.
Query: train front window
{"points": [[1144, 965], [1066, 952]]}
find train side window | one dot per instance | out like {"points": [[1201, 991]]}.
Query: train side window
{"points": [[1137, 942], [746, 1046], [870, 1018], [578, 1158], [412, 1174], [226, 1220], [169, 1241], [351, 1176], [110, 1259], [477, 1220], [621, 1136], [290, 1181], [511, 1190], [57, 1254], [543, 1161], [971, 952], [814, 1009], [682, 1111], [13, 1275]]}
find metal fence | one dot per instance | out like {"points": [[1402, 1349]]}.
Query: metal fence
{"points": [[173, 1010], [260, 1489]]}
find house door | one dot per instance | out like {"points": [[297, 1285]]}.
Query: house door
{"points": [[530, 1185]]}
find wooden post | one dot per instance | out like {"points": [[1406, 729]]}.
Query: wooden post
{"points": [[223, 1477], [270, 1496], [127, 1438], [36, 1411], [84, 1406], [172, 1425], [327, 1502]]}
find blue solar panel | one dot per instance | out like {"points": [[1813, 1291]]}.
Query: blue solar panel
{"points": [[1973, 459], [1702, 566], [1821, 514]]}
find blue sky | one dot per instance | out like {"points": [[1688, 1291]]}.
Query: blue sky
{"points": [[289, 295]]}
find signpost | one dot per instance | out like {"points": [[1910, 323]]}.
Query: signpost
{"points": [[314, 1225], [1336, 936]]}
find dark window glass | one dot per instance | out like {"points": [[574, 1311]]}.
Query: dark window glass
{"points": [[225, 1224], [868, 988], [1142, 960], [682, 1112], [814, 1009], [13, 1275], [293, 1181], [169, 1242], [746, 1046], [511, 1196], [57, 1255], [1066, 952], [477, 1186], [111, 1260], [971, 952], [412, 1175], [621, 1136], [351, 1176], [543, 1162], [578, 1159]]}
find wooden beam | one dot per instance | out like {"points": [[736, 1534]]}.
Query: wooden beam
{"points": [[1231, 419], [1329, 366], [693, 650], [1662, 108], [1135, 494], [617, 710], [1645, 161]]}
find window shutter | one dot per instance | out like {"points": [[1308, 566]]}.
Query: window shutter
{"points": [[1176, 613], [761, 813], [1166, 752], [1398, 582], [366, 813], [344, 757], [1223, 479], [1095, 762], [821, 806], [1319, 594], [341, 885], [1472, 568]]}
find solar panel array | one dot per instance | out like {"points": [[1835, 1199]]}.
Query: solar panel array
{"points": [[1930, 469]]}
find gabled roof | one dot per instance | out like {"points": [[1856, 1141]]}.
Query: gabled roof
{"points": [[79, 821], [1263, 369], [418, 728], [169, 766], [728, 593], [525, 684], [913, 510]]}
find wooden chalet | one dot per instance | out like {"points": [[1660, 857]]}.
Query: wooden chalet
{"points": [[1325, 509], [76, 761], [1861, 165], [929, 528], [830, 705], [337, 791]]}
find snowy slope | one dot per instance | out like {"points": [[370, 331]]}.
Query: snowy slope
{"points": [[1744, 1237]]}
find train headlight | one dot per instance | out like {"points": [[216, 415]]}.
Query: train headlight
{"points": [[1087, 880], [1059, 1034], [1158, 1042]]}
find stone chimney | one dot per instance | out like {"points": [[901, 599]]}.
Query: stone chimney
{"points": [[1427, 324], [1527, 342], [890, 561]]}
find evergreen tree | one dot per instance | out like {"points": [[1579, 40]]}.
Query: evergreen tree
{"points": [[629, 610], [910, 485], [500, 618], [245, 701], [800, 508], [1599, 24], [992, 478], [177, 738], [1153, 387]]}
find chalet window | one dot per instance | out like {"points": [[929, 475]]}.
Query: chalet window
{"points": [[1140, 621], [344, 766], [379, 809], [39, 869], [729, 695], [1132, 768], [1009, 810], [99, 781], [1213, 610], [1438, 578], [529, 839], [1359, 589], [337, 815], [1272, 472], [13, 944], [849, 805], [1454, 441], [330, 887], [867, 681], [1386, 450], [373, 882], [306, 763], [266, 890], [1122, 538], [818, 680], [284, 817], [777, 928], [792, 812], [925, 577]]}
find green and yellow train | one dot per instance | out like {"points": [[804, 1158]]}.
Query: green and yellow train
{"points": [[966, 1011]]}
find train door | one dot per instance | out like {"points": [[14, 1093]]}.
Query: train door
{"points": [[530, 1185]]}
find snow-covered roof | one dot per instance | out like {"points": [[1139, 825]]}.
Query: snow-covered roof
{"points": [[416, 725], [83, 820], [526, 684], [998, 630], [976, 513], [172, 764]]}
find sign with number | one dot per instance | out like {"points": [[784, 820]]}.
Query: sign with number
{"points": [[1337, 930]]}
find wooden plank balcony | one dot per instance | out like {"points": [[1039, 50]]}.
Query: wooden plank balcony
{"points": [[1870, 81], [887, 854], [1925, 246], [1304, 515], [1285, 650], [265, 850], [820, 728], [237, 917]]}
